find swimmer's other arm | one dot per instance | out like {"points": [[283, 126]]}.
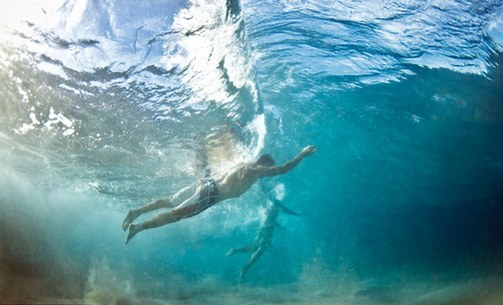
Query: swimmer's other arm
{"points": [[282, 169]]}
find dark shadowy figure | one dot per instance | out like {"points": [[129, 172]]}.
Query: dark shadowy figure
{"points": [[265, 234]]}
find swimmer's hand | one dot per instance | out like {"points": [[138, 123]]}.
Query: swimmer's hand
{"points": [[308, 150]]}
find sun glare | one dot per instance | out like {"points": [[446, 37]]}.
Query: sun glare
{"points": [[22, 11]]}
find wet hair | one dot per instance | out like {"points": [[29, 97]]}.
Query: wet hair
{"points": [[265, 160]]}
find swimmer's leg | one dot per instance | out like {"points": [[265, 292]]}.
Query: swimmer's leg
{"points": [[188, 208], [135, 213], [252, 260], [133, 229], [155, 222], [233, 251]]}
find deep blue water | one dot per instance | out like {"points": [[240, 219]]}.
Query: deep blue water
{"points": [[106, 105]]}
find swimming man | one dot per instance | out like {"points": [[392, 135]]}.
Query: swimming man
{"points": [[264, 236], [191, 201]]}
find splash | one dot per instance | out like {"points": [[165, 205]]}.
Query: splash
{"points": [[106, 287], [215, 63], [155, 94], [319, 279]]}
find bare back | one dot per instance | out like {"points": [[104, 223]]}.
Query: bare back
{"points": [[236, 181], [240, 178]]}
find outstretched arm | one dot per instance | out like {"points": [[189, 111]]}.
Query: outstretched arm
{"points": [[288, 211], [279, 170]]}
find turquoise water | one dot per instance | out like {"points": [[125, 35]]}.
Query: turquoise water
{"points": [[107, 105]]}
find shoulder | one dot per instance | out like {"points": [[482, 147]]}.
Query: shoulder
{"points": [[243, 170], [250, 169], [262, 171]]}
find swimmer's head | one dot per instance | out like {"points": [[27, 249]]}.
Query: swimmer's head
{"points": [[265, 160]]}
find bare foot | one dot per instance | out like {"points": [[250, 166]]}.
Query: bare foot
{"points": [[130, 217], [133, 229], [230, 252]]}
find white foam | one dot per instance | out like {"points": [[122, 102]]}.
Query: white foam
{"points": [[495, 30], [208, 47], [279, 191], [257, 127], [25, 128]]}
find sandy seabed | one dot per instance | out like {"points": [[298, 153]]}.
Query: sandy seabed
{"points": [[103, 290]]}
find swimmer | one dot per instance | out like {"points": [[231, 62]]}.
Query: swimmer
{"points": [[264, 236], [191, 201]]}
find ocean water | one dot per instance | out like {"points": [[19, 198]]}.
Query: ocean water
{"points": [[107, 105]]}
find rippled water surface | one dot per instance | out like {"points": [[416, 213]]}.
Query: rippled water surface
{"points": [[106, 105]]}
